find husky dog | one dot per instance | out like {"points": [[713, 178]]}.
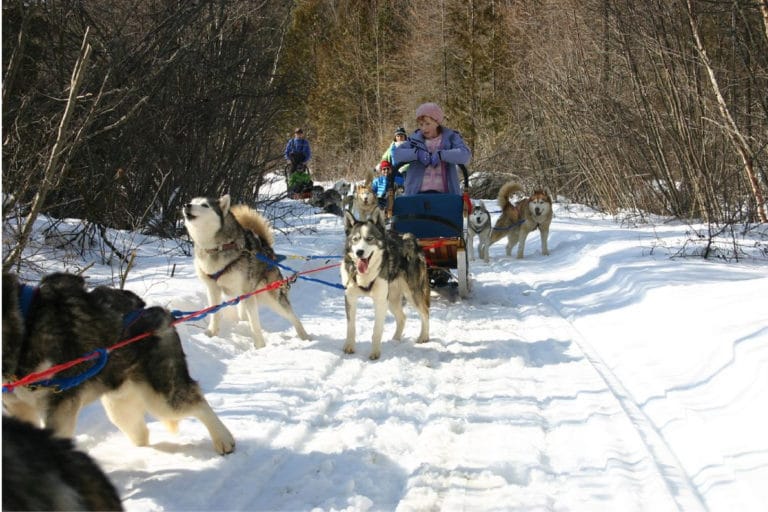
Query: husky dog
{"points": [[479, 223], [385, 267], [61, 321], [519, 219], [42, 472], [233, 254], [365, 201], [329, 200], [342, 187]]}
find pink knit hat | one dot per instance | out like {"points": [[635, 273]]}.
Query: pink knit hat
{"points": [[431, 110]]}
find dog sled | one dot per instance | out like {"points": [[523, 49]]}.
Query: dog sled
{"points": [[299, 183], [437, 221]]}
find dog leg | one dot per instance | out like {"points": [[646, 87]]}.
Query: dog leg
{"points": [[214, 298], [278, 302], [251, 305], [62, 417], [423, 310], [379, 296], [20, 409], [222, 439], [350, 306], [185, 400], [521, 243], [125, 409], [544, 237], [396, 307], [511, 241], [471, 246]]}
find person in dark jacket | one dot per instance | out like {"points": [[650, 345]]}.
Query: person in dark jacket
{"points": [[434, 152], [297, 151]]}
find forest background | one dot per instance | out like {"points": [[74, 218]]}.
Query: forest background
{"points": [[118, 112]]}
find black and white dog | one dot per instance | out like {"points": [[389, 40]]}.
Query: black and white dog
{"points": [[61, 321], [479, 224], [385, 267], [43, 472]]}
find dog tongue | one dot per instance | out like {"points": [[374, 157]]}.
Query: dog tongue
{"points": [[362, 265]]}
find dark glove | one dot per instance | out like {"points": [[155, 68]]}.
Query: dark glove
{"points": [[434, 161], [423, 156]]}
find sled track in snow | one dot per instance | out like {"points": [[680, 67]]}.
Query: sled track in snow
{"points": [[678, 482]]}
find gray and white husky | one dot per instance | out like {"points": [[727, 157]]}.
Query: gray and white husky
{"points": [[60, 321], [385, 267], [233, 251], [479, 223]]}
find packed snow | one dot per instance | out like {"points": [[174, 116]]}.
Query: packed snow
{"points": [[622, 372]]}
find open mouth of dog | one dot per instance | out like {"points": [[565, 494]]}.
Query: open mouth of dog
{"points": [[362, 264]]}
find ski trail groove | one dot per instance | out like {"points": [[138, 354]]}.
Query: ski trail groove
{"points": [[678, 482]]}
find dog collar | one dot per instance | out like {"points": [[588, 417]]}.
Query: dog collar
{"points": [[224, 247], [368, 288]]}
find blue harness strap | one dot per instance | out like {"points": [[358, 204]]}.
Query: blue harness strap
{"points": [[64, 383], [27, 296], [513, 225]]}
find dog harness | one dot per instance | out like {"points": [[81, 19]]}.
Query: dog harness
{"points": [[27, 295], [486, 223], [216, 275], [368, 288], [225, 247], [229, 246]]}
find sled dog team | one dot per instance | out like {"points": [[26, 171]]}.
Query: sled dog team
{"points": [[233, 256]]}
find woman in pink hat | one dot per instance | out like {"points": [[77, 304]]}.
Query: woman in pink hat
{"points": [[434, 152]]}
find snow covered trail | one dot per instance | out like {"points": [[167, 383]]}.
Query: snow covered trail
{"points": [[502, 409], [521, 400]]}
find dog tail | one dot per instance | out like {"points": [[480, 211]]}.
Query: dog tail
{"points": [[507, 190], [253, 221]]}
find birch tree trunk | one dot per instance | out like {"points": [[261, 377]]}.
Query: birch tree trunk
{"points": [[58, 149], [736, 137]]}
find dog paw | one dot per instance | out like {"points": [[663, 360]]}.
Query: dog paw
{"points": [[374, 355], [224, 446], [212, 332], [545, 253], [259, 343], [349, 348]]}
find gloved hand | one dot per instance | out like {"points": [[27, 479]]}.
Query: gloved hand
{"points": [[423, 156], [434, 161]]}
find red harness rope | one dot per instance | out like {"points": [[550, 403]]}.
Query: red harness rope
{"points": [[44, 374]]}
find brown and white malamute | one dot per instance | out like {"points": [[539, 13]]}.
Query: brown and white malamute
{"points": [[517, 220]]}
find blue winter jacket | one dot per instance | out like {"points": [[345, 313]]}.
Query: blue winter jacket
{"points": [[297, 145], [379, 184], [453, 151]]}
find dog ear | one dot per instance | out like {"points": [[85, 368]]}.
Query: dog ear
{"points": [[349, 221], [224, 203], [377, 217]]}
